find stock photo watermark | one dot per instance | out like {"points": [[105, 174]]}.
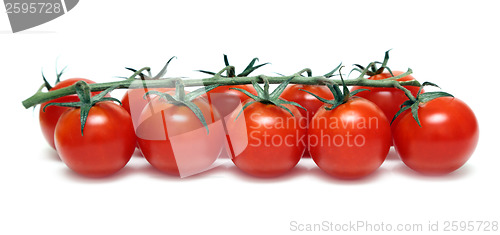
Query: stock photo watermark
{"points": [[486, 226], [26, 14], [260, 136]]}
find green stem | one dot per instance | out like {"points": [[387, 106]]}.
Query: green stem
{"points": [[41, 97], [308, 70], [406, 91], [229, 69]]}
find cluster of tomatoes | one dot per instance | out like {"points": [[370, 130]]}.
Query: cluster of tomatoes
{"points": [[347, 136]]}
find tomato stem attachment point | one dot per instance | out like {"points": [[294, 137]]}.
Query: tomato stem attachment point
{"points": [[86, 101], [181, 98], [263, 95], [414, 102], [339, 97]]}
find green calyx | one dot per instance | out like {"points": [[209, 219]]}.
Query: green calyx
{"points": [[180, 98], [372, 68], [339, 97], [86, 101], [149, 76], [263, 95], [414, 102], [230, 70], [58, 79]]}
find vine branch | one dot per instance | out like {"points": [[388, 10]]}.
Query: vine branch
{"points": [[131, 83]]}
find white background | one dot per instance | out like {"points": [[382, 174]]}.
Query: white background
{"points": [[451, 43]]}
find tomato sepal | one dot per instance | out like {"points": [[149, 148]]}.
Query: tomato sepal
{"points": [[245, 92], [332, 73], [263, 95], [181, 98], [86, 100], [413, 103], [230, 70], [339, 96], [371, 69], [58, 78], [160, 74], [250, 68]]}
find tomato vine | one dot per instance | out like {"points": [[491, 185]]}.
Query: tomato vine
{"points": [[217, 79]]}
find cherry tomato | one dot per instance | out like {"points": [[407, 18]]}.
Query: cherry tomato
{"points": [[350, 141], [306, 100], [446, 140], [135, 98], [226, 100], [49, 117], [311, 103], [134, 102], [388, 99], [173, 139], [267, 141], [107, 144]]}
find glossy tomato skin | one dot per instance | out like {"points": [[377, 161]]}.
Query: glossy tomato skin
{"points": [[49, 117], [350, 141], [133, 101], [136, 99], [106, 146], [387, 99], [444, 143], [174, 141], [266, 140], [306, 100], [226, 100]]}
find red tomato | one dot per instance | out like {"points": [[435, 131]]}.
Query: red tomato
{"points": [[49, 117], [388, 99], [134, 101], [350, 141], [292, 93], [226, 100], [446, 140], [106, 146], [173, 139], [135, 98], [266, 140]]}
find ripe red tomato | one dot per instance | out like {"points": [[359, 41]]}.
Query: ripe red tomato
{"points": [[48, 118], [134, 102], [134, 98], [173, 139], [266, 140], [350, 141], [387, 99], [306, 100], [446, 140], [226, 100], [107, 144]]}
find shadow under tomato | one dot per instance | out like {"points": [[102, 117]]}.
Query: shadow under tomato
{"points": [[126, 171], [51, 154], [373, 177], [460, 173], [150, 171], [392, 155], [137, 153], [295, 172]]}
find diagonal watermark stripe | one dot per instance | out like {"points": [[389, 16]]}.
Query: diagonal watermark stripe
{"points": [[26, 14]]}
